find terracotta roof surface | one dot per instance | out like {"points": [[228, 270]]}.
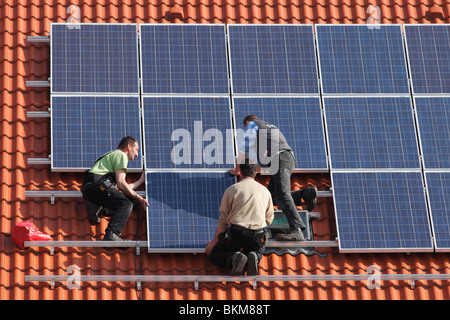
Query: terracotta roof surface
{"points": [[23, 138]]}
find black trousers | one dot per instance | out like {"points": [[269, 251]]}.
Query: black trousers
{"points": [[116, 201], [246, 241], [280, 188]]}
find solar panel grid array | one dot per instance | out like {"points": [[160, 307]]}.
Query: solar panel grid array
{"points": [[180, 62]]}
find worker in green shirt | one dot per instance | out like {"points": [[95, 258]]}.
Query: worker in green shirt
{"points": [[105, 188]]}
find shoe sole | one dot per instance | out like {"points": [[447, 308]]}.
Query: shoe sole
{"points": [[252, 264], [239, 265], [288, 237], [311, 204]]}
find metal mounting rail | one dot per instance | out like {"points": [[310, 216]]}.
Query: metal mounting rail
{"points": [[144, 244], [370, 278]]}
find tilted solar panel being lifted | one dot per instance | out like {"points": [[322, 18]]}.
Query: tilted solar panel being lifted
{"points": [[356, 59], [272, 59], [187, 133], [428, 49], [300, 121], [184, 59], [371, 133], [381, 211], [85, 127], [184, 208], [94, 58]]}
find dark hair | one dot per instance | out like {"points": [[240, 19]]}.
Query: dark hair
{"points": [[248, 169], [250, 118], [126, 141]]}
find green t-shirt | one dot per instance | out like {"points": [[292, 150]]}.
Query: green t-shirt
{"points": [[113, 161]]}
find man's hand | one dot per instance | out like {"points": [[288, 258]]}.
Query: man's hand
{"points": [[210, 246], [234, 171]]}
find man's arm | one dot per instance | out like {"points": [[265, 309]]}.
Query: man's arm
{"points": [[128, 188]]}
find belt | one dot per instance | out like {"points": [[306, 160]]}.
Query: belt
{"points": [[246, 230]]}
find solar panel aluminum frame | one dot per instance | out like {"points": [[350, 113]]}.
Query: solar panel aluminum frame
{"points": [[316, 26], [382, 250], [418, 94], [230, 64], [238, 125], [369, 169], [180, 94], [140, 157], [177, 250], [73, 25], [175, 169]]}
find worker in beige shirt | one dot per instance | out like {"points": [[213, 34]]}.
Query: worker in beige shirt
{"points": [[245, 211]]}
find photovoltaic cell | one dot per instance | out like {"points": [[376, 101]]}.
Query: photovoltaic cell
{"points": [[84, 128], [299, 119], [184, 59], [371, 133], [94, 58], [273, 59], [381, 211], [355, 59], [188, 133], [433, 116], [438, 188], [428, 48], [184, 208]]}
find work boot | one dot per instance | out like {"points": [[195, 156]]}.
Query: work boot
{"points": [[252, 263], [93, 211], [310, 197], [293, 235], [238, 262], [111, 236]]}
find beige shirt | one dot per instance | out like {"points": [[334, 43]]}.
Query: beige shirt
{"points": [[247, 204]]}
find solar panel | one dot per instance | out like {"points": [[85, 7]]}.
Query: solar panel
{"points": [[83, 128], [438, 187], [360, 60], [433, 116], [381, 211], [273, 59], [94, 58], [299, 119], [371, 133], [184, 59], [184, 208], [428, 48], [188, 133]]}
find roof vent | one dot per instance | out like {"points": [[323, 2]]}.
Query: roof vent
{"points": [[435, 13], [175, 13]]}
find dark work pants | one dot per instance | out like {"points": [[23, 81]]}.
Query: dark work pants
{"points": [[280, 188], [114, 200], [222, 253]]}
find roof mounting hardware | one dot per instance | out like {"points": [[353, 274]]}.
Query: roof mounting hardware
{"points": [[38, 84], [37, 39]]}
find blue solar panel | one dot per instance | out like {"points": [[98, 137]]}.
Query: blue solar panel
{"points": [[184, 208], [356, 59], [381, 211], [188, 133], [428, 47], [299, 119], [438, 187], [84, 128], [95, 58], [371, 133], [433, 116], [273, 59], [185, 59]]}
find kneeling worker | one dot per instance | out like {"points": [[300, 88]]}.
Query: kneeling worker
{"points": [[245, 211], [106, 190]]}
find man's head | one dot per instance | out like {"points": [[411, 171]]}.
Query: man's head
{"points": [[130, 146], [248, 169], [250, 118]]}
